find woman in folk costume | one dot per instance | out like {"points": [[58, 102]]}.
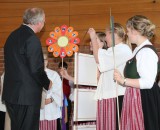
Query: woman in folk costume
{"points": [[106, 90], [53, 101], [141, 104]]}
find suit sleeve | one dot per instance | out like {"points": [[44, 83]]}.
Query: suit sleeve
{"points": [[36, 62]]}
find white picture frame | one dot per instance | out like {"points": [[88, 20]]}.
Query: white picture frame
{"points": [[85, 106], [85, 69], [84, 127]]}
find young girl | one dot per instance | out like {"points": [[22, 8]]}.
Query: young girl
{"points": [[141, 104], [53, 101], [106, 89]]}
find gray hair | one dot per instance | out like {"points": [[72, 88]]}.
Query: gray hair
{"points": [[33, 16]]}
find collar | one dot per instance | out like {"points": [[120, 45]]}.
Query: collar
{"points": [[146, 42], [28, 26]]}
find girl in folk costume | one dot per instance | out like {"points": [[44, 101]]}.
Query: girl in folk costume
{"points": [[141, 104], [102, 44], [106, 89], [53, 101]]}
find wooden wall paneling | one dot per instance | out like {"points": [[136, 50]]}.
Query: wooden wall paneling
{"points": [[157, 36], [55, 20], [50, 8], [113, 1], [3, 38], [123, 17], [25, 1], [101, 21], [8, 24], [83, 22], [104, 6], [11, 23]]}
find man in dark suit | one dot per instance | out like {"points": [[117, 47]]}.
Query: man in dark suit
{"points": [[24, 76]]}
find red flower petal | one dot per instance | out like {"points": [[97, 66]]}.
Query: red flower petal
{"points": [[50, 41], [63, 29]]}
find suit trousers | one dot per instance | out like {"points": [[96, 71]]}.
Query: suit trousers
{"points": [[2, 119], [24, 117]]}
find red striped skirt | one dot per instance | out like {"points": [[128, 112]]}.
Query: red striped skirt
{"points": [[48, 125], [132, 114], [106, 114]]}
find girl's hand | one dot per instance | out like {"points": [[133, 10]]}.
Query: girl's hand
{"points": [[92, 33], [118, 77], [48, 101]]}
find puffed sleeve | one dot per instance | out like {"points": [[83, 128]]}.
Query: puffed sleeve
{"points": [[122, 53]]}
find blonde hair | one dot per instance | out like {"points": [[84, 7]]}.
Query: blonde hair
{"points": [[120, 31], [141, 24]]}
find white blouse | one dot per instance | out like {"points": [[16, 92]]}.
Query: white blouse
{"points": [[106, 86], [2, 106], [52, 111], [147, 61]]}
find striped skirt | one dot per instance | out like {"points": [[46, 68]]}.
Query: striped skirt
{"points": [[132, 114], [48, 125], [106, 114]]}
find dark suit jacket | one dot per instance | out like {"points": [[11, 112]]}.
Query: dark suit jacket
{"points": [[24, 68]]}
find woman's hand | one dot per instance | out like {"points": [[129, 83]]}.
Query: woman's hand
{"points": [[118, 77], [92, 33]]}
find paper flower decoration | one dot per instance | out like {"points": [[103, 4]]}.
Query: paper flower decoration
{"points": [[63, 41]]}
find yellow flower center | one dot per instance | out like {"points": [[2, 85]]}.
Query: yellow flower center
{"points": [[62, 41]]}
